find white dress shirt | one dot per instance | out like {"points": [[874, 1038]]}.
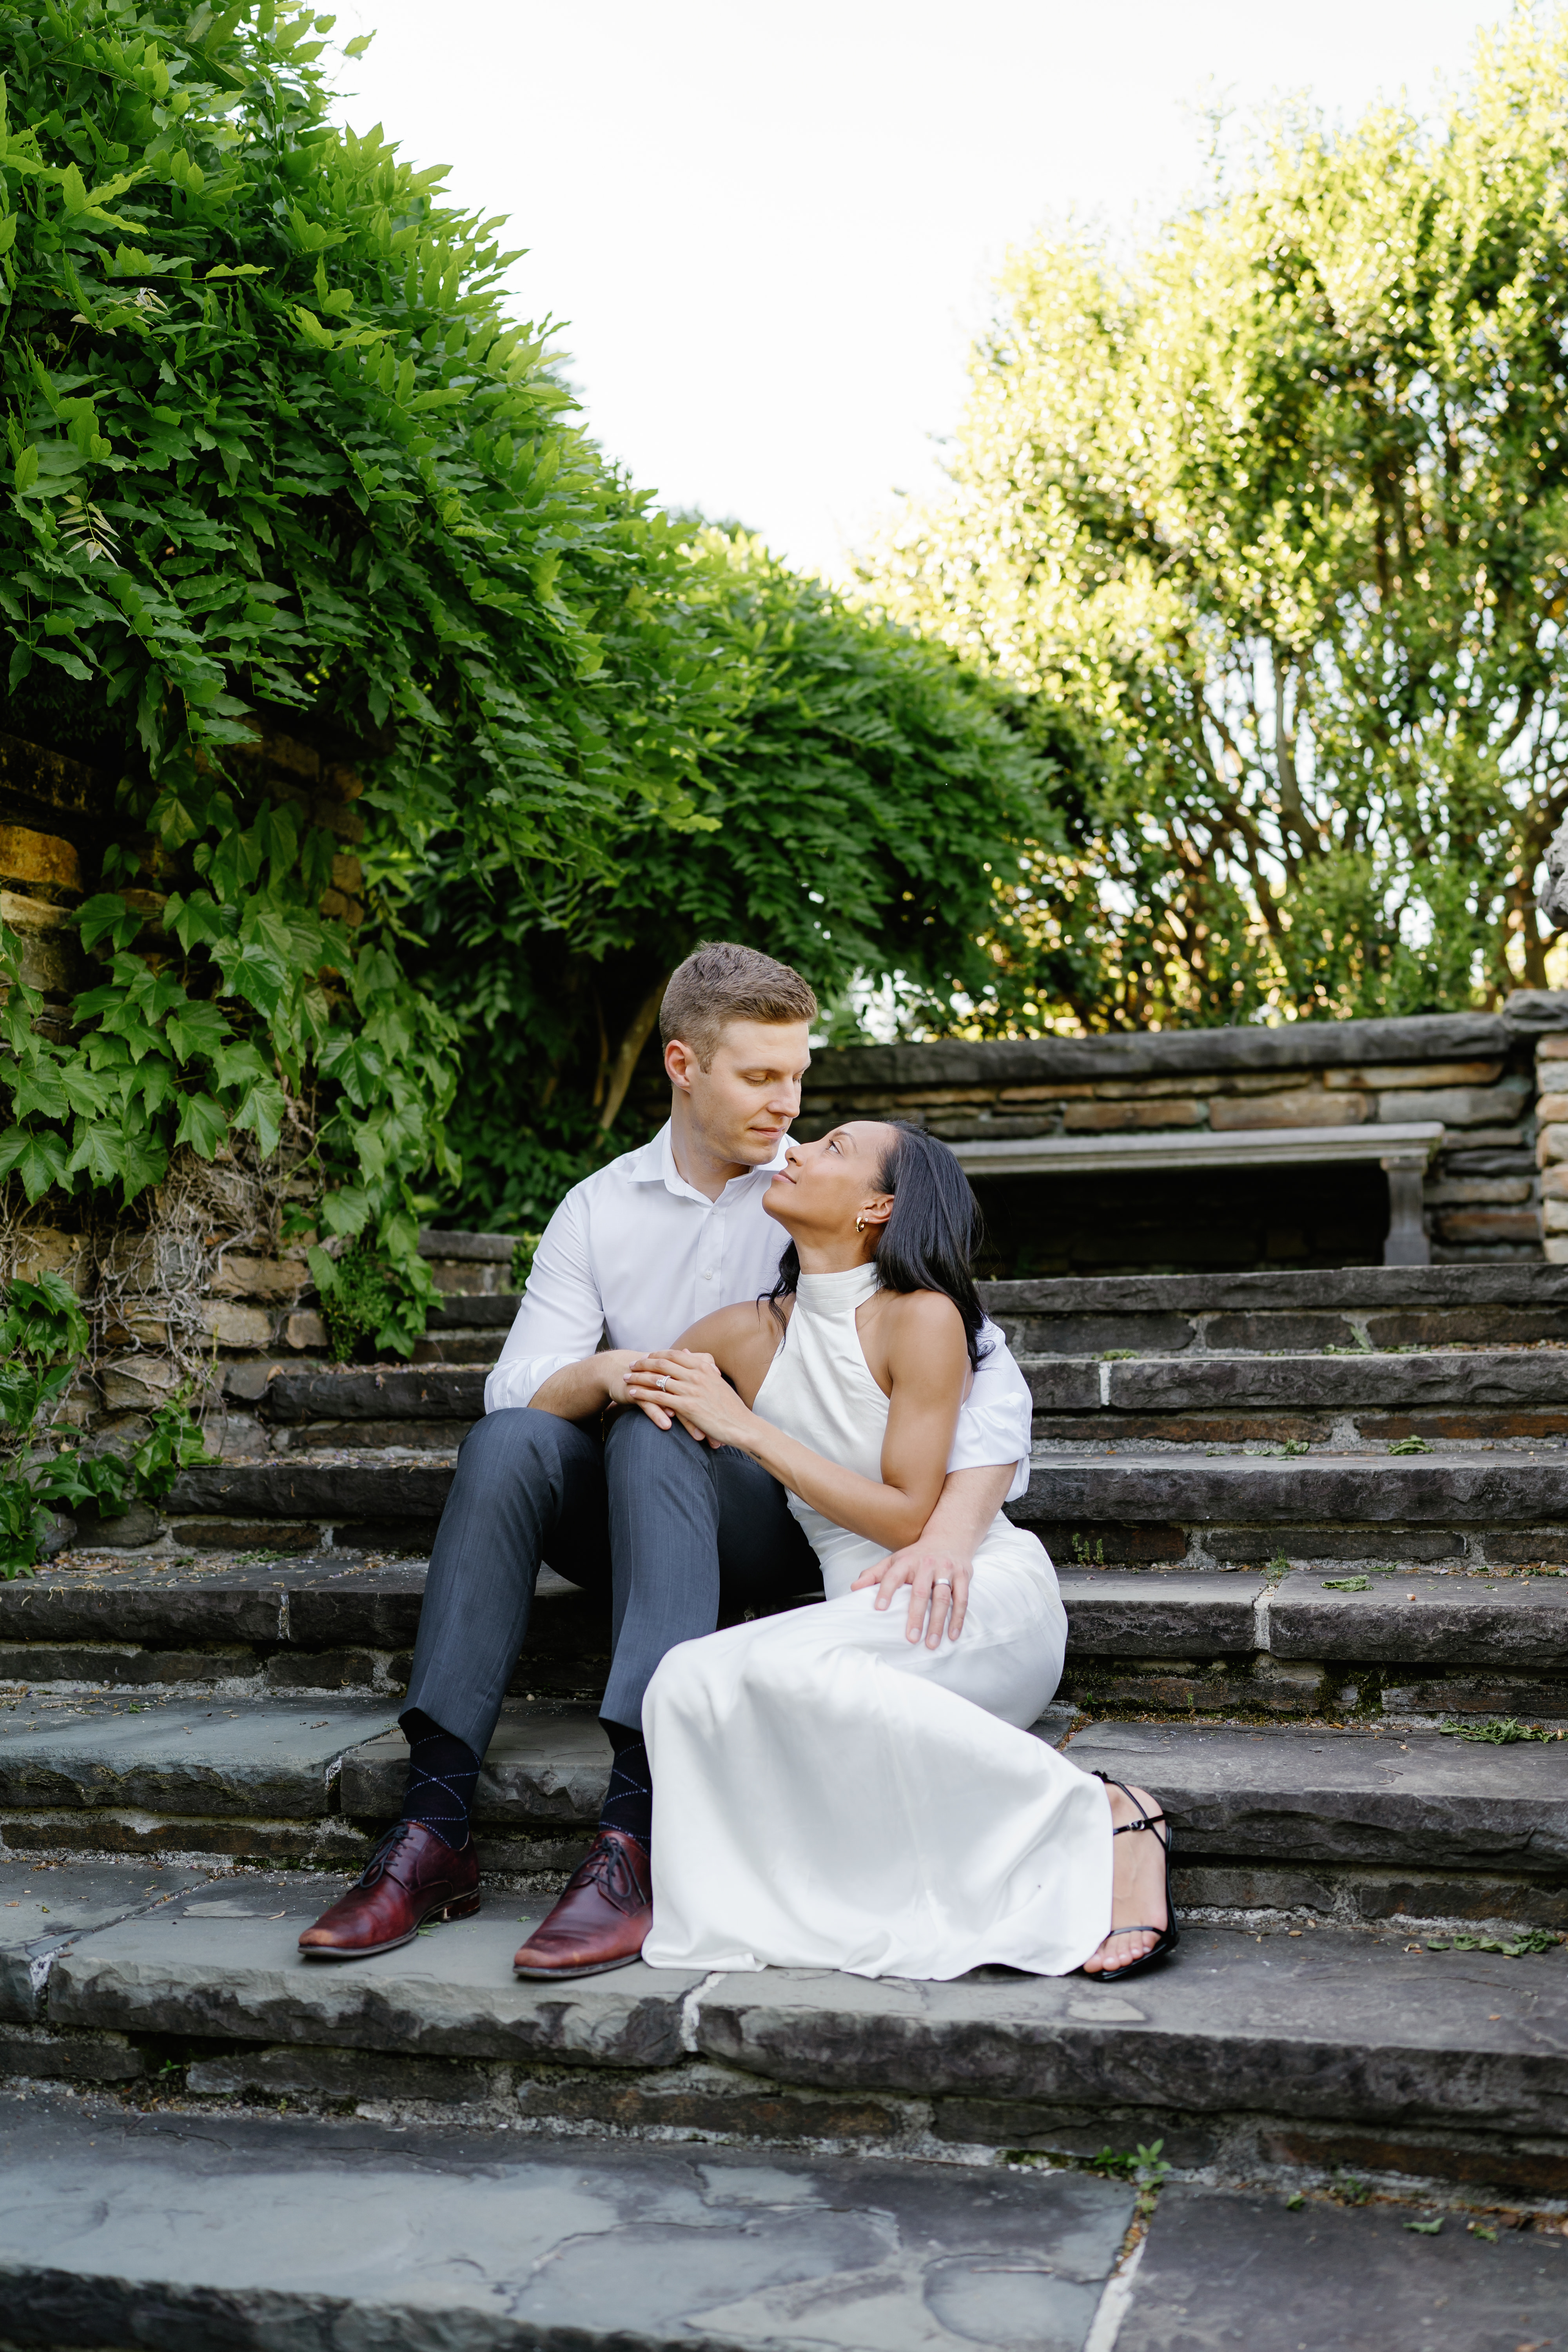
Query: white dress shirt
{"points": [[638, 1255]]}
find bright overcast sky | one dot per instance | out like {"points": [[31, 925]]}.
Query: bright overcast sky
{"points": [[770, 231]]}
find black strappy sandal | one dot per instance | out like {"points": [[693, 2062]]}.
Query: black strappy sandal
{"points": [[1170, 1934]]}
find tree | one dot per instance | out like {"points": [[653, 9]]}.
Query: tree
{"points": [[1277, 511], [858, 793]]}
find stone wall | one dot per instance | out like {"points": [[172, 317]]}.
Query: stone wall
{"points": [[1476, 1074]]}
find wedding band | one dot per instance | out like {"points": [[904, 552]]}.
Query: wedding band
{"points": [[943, 1580], [663, 1380]]}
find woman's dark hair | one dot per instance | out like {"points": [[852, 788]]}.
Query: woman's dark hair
{"points": [[931, 1241]]}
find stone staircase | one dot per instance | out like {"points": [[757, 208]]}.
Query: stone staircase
{"points": [[1279, 1623]]}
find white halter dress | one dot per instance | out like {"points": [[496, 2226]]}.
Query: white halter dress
{"points": [[829, 1794]]}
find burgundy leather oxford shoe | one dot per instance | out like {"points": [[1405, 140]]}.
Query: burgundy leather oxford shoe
{"points": [[601, 1920], [412, 1875]]}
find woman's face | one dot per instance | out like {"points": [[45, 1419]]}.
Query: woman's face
{"points": [[824, 1187]]}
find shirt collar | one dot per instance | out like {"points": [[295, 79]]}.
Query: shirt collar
{"points": [[655, 1164]]}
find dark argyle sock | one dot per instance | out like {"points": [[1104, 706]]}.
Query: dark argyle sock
{"points": [[628, 1801], [442, 1771]]}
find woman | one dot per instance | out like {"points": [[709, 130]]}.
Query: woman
{"points": [[827, 1793]]}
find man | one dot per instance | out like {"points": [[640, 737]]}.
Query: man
{"points": [[565, 1466]]}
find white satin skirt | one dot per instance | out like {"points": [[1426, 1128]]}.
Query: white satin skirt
{"points": [[829, 1794]]}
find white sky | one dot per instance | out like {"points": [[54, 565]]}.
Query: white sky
{"points": [[770, 231]]}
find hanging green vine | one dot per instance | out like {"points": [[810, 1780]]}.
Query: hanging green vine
{"points": [[278, 461]]}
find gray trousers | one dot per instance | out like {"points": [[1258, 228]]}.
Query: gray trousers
{"points": [[673, 1531]]}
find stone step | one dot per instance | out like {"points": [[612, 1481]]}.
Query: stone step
{"points": [[1282, 2051], [1369, 1399], [1501, 1506], [321, 1623], [1351, 1825], [1184, 1398], [123, 2228], [317, 2232], [1353, 1306], [1426, 1823], [1432, 1638], [376, 1500]]}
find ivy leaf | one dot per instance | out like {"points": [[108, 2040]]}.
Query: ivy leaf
{"points": [[100, 1152], [195, 1028], [40, 1093], [252, 973], [38, 1159], [262, 1111], [323, 1269], [107, 916], [203, 1125]]}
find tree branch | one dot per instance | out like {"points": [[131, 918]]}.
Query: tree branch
{"points": [[619, 1075]]}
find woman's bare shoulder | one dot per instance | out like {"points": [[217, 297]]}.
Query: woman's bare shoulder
{"points": [[924, 1318], [730, 1327]]}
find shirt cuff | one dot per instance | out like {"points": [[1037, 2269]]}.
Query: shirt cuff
{"points": [[518, 1382]]}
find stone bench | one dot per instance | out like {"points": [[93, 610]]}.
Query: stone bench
{"points": [[1402, 1151]]}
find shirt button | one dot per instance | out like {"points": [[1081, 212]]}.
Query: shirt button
{"points": [[707, 1274]]}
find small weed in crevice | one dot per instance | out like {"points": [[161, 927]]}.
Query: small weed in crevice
{"points": [[1497, 1731], [1529, 1941]]}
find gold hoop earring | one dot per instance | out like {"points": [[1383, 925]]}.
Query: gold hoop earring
{"points": [[860, 1224]]}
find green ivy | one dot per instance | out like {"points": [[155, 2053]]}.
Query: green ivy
{"points": [[43, 1342], [278, 460], [362, 1299]]}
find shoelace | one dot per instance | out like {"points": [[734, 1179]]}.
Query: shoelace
{"points": [[375, 1868], [609, 1868]]}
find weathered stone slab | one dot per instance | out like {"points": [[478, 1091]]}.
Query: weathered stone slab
{"points": [[1413, 1797], [44, 1906], [545, 1766], [1330, 1290], [849, 1071], [497, 1312], [1220, 2271], [227, 1759], [1182, 1614], [1257, 1546], [1063, 1386], [492, 1249], [1396, 1490], [334, 1492], [154, 2228], [1329, 2025], [1090, 1335], [1340, 1383], [1425, 1619], [427, 1393], [126, 1602], [88, 1663], [227, 1966], [1265, 1333]]}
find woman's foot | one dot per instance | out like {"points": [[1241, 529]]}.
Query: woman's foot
{"points": [[1138, 1884]]}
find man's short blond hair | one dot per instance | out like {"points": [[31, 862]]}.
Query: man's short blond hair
{"points": [[721, 982]]}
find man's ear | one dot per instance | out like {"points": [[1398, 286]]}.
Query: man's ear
{"points": [[680, 1061]]}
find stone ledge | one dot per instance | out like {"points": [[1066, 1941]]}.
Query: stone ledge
{"points": [[1328, 2024], [279, 2232], [1392, 1491], [1296, 1794], [1298, 1045], [1342, 1290], [234, 1757]]}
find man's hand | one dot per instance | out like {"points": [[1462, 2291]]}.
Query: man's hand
{"points": [[939, 1569], [939, 1589], [580, 1392], [689, 1384]]}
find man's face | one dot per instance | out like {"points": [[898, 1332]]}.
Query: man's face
{"points": [[742, 1104]]}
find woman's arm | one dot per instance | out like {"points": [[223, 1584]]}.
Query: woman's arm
{"points": [[927, 1364]]}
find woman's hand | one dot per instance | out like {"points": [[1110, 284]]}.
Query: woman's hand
{"points": [[939, 1585], [692, 1388]]}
